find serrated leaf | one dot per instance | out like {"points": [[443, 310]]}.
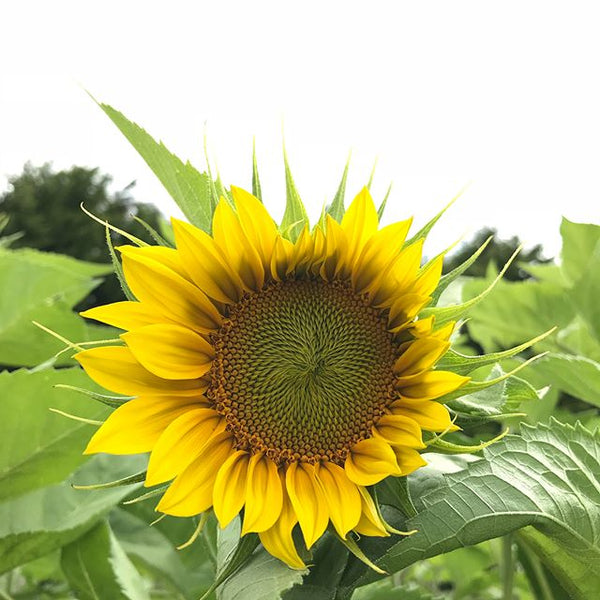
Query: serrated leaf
{"points": [[41, 448], [189, 188], [549, 478], [586, 292], [97, 568], [38, 522], [294, 217], [43, 287]]}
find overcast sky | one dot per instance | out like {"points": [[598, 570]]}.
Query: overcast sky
{"points": [[502, 96]]}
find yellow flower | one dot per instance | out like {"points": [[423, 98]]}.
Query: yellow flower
{"points": [[277, 378]]}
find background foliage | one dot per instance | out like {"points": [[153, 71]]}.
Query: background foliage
{"points": [[518, 519]]}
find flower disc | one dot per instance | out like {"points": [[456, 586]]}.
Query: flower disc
{"points": [[302, 371]]}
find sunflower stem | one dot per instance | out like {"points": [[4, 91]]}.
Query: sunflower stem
{"points": [[507, 567]]}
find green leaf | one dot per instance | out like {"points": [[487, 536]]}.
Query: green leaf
{"points": [[515, 311], [386, 590], [445, 314], [549, 478], [38, 522], [43, 287], [383, 204], [256, 189], [187, 186], [448, 278], [150, 547], [39, 447], [579, 242], [336, 208], [244, 573], [294, 217], [424, 231], [586, 292], [576, 375], [97, 568]]}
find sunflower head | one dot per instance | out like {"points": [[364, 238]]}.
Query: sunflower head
{"points": [[275, 378]]}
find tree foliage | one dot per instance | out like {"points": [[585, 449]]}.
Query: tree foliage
{"points": [[43, 210]]}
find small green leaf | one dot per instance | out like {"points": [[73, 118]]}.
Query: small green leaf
{"points": [[383, 204], [445, 314], [256, 189], [336, 208], [424, 231], [189, 188], [448, 278], [579, 242], [294, 217], [97, 568]]}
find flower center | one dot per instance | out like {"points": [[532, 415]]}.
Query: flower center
{"points": [[302, 370]]}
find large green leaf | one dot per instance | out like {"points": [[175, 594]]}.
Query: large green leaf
{"points": [[586, 292], [576, 375], [43, 287], [150, 547], [548, 478], [187, 186], [41, 447], [517, 311], [579, 242], [36, 523], [262, 576], [97, 568]]}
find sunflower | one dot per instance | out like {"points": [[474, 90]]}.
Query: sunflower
{"points": [[273, 378]]}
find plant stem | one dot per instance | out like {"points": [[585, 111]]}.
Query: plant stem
{"points": [[507, 567]]}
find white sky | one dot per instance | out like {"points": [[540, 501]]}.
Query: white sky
{"points": [[503, 95]]}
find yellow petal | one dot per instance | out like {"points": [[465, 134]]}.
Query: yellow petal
{"points": [[342, 497], [430, 384], [206, 263], [278, 539], [124, 315], [408, 459], [169, 257], [429, 414], [370, 461], [370, 522], [170, 351], [168, 293], [231, 238], [430, 277], [335, 260], [264, 495], [229, 493], [192, 491], [404, 309], [308, 501], [180, 443], [420, 355], [378, 254], [359, 223], [257, 223], [422, 327], [399, 278], [116, 369], [135, 426], [445, 332], [280, 261], [400, 430]]}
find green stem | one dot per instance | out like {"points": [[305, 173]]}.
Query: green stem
{"points": [[507, 565]]}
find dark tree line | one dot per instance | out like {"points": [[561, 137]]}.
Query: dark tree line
{"points": [[43, 208]]}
